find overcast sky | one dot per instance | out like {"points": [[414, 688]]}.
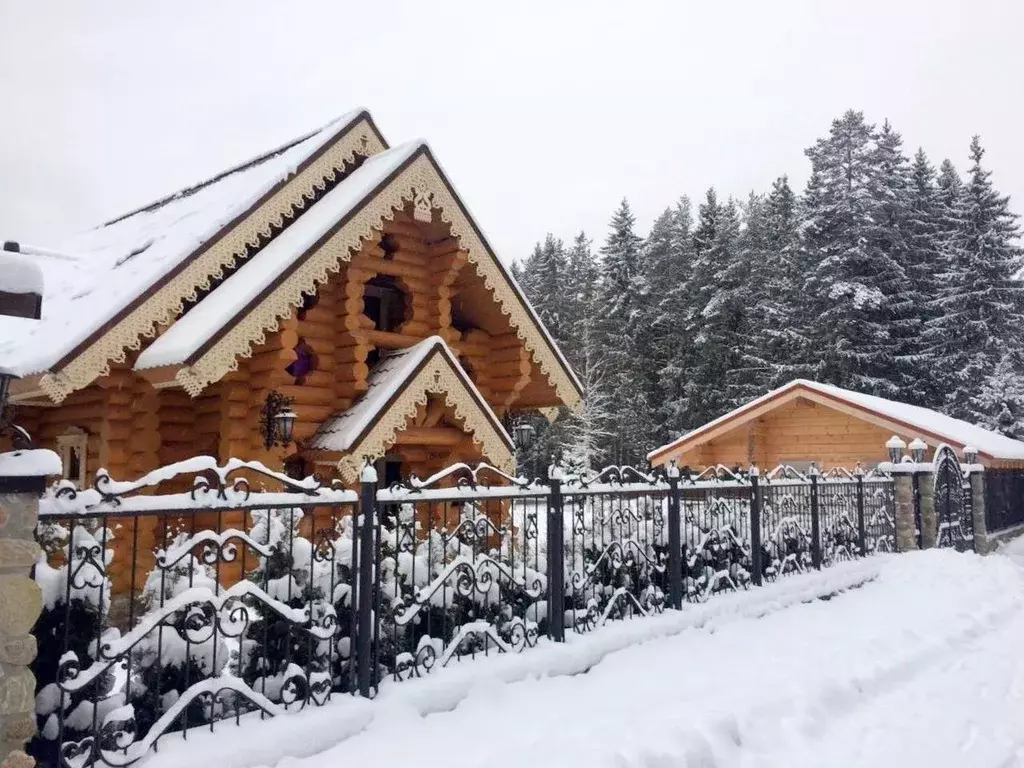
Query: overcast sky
{"points": [[544, 114]]}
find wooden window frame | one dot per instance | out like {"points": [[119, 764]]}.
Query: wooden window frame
{"points": [[72, 443]]}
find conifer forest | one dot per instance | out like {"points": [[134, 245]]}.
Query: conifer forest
{"points": [[889, 273]]}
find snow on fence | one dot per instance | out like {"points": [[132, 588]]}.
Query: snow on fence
{"points": [[165, 612]]}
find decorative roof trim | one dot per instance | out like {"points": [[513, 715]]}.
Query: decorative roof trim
{"points": [[164, 301], [419, 181], [436, 376]]}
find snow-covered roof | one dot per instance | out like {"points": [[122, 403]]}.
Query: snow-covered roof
{"points": [[114, 264], [387, 379], [229, 299], [922, 422]]}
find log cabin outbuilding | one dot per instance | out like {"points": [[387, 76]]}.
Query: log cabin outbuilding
{"points": [[337, 277], [805, 421]]}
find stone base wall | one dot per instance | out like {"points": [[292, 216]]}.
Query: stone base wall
{"points": [[20, 605]]}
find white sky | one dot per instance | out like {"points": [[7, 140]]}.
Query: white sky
{"points": [[545, 114]]}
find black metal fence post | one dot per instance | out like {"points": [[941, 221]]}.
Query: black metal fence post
{"points": [[556, 559], [862, 536], [815, 521], [675, 544], [365, 531], [755, 526]]}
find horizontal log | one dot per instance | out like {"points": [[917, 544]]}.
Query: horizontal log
{"points": [[506, 384], [510, 369], [429, 436], [386, 339], [173, 414], [145, 441]]}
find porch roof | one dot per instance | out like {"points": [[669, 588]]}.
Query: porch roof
{"points": [[399, 383]]}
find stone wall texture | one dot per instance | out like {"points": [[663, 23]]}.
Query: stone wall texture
{"points": [[20, 604]]}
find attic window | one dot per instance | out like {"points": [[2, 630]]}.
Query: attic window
{"points": [[384, 303], [305, 362]]}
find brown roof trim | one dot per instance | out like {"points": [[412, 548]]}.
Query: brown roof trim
{"points": [[815, 396], [481, 403], [221, 233], [508, 278], [423, 150], [303, 257]]}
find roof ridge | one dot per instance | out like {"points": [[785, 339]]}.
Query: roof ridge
{"points": [[191, 189]]}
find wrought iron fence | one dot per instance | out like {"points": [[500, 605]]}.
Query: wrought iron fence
{"points": [[1004, 499], [175, 611], [164, 613]]}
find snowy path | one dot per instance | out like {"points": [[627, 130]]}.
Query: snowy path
{"points": [[923, 666]]}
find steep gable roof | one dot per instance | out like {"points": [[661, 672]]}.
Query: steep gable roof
{"points": [[237, 315], [910, 420], [400, 383], [99, 283]]}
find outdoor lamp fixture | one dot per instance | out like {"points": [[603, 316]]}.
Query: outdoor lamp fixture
{"points": [[970, 454], [277, 420], [917, 450], [523, 434], [895, 446], [21, 296]]}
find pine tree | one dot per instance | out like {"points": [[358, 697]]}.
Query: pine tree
{"points": [[618, 331], [980, 307], [854, 285]]}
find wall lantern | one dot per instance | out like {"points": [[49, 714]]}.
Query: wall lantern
{"points": [[918, 447], [277, 420], [970, 454], [523, 434], [21, 295], [895, 446]]}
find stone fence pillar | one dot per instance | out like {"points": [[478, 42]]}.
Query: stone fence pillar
{"points": [[977, 479], [22, 481], [906, 536]]}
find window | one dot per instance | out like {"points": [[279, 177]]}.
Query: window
{"points": [[384, 303], [305, 362], [73, 447]]}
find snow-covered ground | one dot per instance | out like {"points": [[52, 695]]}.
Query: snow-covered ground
{"points": [[921, 665]]}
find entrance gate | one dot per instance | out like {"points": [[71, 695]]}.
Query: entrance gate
{"points": [[953, 512]]}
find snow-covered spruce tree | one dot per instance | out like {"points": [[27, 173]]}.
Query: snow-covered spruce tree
{"points": [[619, 331], [981, 307], [674, 343], [855, 306], [1001, 398], [924, 262], [76, 598], [717, 324], [769, 245]]}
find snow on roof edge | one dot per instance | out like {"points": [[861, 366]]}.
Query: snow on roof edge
{"points": [[221, 306]]}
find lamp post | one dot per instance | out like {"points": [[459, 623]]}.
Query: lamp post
{"points": [[918, 447], [523, 433], [895, 445]]}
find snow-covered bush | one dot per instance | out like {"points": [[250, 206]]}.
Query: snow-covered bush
{"points": [[76, 598], [181, 647], [313, 578]]}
